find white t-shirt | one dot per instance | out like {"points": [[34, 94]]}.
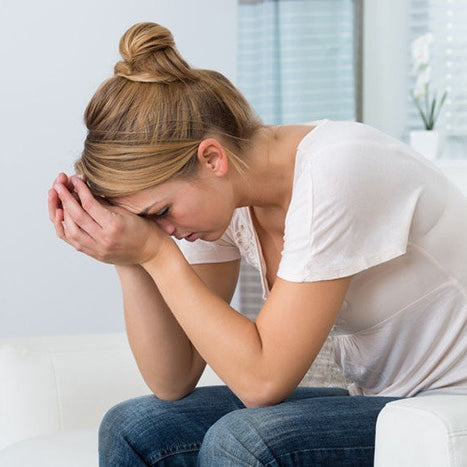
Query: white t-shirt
{"points": [[367, 205]]}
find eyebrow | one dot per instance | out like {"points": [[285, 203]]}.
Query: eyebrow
{"points": [[145, 211]]}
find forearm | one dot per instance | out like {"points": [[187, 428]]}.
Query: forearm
{"points": [[165, 356], [228, 341]]}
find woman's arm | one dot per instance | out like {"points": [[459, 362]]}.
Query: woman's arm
{"points": [[169, 363], [167, 360], [261, 362], [164, 355]]}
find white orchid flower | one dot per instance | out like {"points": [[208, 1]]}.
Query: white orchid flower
{"points": [[421, 51]]}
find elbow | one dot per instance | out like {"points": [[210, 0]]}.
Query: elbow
{"points": [[264, 394], [171, 394]]}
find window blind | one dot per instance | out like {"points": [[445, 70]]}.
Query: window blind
{"points": [[447, 21], [296, 59]]}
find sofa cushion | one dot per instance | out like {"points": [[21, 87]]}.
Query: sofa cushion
{"points": [[73, 448], [57, 383]]}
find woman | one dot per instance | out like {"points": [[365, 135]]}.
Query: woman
{"points": [[352, 231]]}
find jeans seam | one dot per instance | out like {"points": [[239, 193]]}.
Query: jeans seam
{"points": [[315, 450], [127, 441], [173, 451], [246, 449]]}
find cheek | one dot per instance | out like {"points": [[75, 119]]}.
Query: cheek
{"points": [[203, 214]]}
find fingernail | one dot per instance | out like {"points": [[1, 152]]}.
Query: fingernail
{"points": [[58, 189]]}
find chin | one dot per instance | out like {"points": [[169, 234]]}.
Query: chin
{"points": [[212, 236]]}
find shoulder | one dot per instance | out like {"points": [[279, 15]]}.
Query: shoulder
{"points": [[345, 158], [355, 201]]}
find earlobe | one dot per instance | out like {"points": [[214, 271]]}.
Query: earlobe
{"points": [[213, 156]]}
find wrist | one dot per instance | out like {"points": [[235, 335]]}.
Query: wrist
{"points": [[127, 268], [159, 252]]}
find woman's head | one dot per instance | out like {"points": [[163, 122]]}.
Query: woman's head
{"points": [[146, 122]]}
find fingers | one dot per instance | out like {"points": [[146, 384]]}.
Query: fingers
{"points": [[73, 208], [64, 180], [54, 202], [90, 204], [58, 223], [66, 229], [75, 236]]}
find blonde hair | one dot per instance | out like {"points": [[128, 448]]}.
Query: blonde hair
{"points": [[146, 122]]}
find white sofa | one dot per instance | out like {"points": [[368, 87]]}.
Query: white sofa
{"points": [[55, 390]]}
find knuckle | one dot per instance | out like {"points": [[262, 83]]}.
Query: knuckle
{"points": [[72, 237], [115, 227], [60, 233], [86, 203], [108, 243], [103, 256], [80, 218]]}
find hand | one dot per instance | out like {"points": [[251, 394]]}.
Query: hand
{"points": [[108, 233]]}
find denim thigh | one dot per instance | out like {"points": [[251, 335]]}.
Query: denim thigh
{"points": [[150, 431], [305, 430], [211, 427]]}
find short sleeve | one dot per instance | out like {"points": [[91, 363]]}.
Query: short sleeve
{"points": [[200, 251], [352, 208]]}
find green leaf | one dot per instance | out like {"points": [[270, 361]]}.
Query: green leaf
{"points": [[440, 106], [422, 114]]}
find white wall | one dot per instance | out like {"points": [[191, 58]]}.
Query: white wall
{"points": [[53, 55]]}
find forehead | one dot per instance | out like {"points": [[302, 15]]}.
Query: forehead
{"points": [[154, 196]]}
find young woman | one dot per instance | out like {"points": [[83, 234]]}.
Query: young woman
{"points": [[354, 235]]}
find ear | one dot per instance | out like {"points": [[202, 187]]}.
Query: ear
{"points": [[212, 156]]}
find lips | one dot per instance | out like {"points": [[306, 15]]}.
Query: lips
{"points": [[192, 237]]}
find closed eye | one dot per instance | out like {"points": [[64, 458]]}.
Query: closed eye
{"points": [[159, 214], [162, 212]]}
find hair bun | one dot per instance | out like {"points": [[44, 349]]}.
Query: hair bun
{"points": [[149, 55]]}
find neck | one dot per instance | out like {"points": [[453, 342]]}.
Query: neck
{"points": [[268, 180]]}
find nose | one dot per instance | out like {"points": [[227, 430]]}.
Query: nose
{"points": [[166, 226]]}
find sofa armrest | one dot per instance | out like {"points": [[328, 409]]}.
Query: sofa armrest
{"points": [[424, 431]]}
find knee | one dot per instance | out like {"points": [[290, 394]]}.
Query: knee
{"points": [[119, 432], [234, 440], [115, 424]]}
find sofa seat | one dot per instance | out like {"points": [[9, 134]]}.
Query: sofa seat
{"points": [[70, 448], [54, 392]]}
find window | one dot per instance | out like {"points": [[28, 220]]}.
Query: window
{"points": [[447, 21], [298, 60]]}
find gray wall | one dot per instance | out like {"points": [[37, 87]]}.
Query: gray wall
{"points": [[53, 55]]}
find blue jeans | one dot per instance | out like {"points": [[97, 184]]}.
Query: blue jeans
{"points": [[211, 427]]}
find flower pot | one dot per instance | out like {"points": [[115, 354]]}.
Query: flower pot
{"points": [[429, 143]]}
